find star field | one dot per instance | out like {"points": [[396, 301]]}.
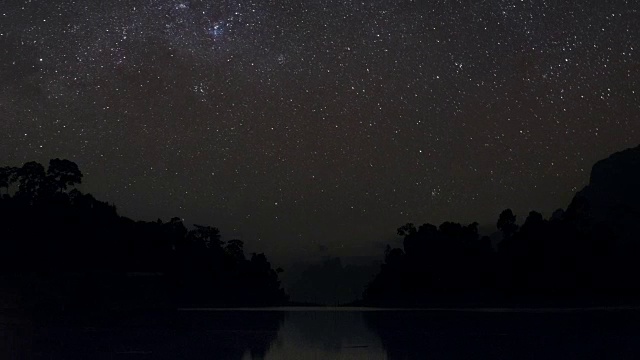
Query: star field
{"points": [[293, 124]]}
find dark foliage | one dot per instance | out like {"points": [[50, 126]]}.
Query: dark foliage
{"points": [[60, 248], [568, 257], [585, 255]]}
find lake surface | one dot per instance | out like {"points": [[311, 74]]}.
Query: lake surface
{"points": [[325, 333]]}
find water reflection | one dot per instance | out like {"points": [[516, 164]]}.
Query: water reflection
{"points": [[322, 334], [508, 334], [326, 335], [187, 335]]}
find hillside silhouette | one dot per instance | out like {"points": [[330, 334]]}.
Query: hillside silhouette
{"points": [[63, 249], [584, 255]]}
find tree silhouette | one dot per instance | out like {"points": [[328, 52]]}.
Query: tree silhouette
{"points": [[32, 179], [63, 173], [574, 257], [235, 249], [67, 249], [507, 224], [8, 175], [206, 236]]}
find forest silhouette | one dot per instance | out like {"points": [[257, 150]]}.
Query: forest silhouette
{"points": [[586, 255], [63, 249]]}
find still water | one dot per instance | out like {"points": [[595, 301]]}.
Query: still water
{"points": [[322, 333]]}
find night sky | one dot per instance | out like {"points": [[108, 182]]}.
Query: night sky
{"points": [[304, 125]]}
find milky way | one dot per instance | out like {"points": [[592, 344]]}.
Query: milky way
{"points": [[295, 124]]}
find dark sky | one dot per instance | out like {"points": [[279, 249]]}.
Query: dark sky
{"points": [[295, 124]]}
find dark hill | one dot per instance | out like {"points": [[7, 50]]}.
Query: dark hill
{"points": [[614, 187]]}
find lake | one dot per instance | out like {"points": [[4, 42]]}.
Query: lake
{"points": [[329, 333]]}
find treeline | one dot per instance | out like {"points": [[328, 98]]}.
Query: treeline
{"points": [[585, 255], [558, 257], [62, 248]]}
